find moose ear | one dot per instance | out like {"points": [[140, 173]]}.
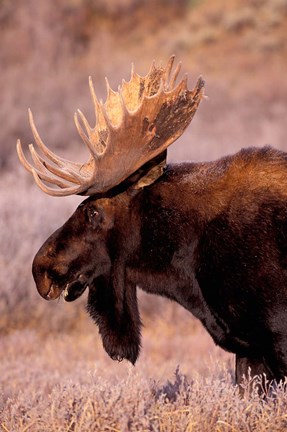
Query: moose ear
{"points": [[114, 308]]}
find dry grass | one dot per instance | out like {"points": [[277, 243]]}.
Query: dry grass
{"points": [[65, 383], [54, 373]]}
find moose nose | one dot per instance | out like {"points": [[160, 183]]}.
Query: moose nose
{"points": [[44, 276], [45, 283], [49, 289]]}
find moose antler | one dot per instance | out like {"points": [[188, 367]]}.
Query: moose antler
{"points": [[135, 125]]}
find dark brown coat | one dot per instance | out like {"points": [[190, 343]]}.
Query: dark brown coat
{"points": [[210, 236]]}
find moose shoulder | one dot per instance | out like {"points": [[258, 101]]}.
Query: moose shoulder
{"points": [[210, 236]]}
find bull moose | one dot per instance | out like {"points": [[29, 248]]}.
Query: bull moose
{"points": [[211, 236]]}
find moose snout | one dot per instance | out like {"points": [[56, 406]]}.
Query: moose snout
{"points": [[46, 286]]}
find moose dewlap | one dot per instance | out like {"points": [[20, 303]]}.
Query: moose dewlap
{"points": [[211, 236]]}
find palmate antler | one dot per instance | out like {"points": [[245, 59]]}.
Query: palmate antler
{"points": [[135, 125]]}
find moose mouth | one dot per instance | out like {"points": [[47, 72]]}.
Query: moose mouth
{"points": [[74, 290], [71, 292]]}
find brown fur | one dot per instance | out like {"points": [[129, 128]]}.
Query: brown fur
{"points": [[210, 236]]}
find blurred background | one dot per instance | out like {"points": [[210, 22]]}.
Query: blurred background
{"points": [[47, 52]]}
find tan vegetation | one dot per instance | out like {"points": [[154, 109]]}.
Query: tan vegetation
{"points": [[63, 382], [54, 373]]}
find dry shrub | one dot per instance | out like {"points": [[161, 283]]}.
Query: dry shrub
{"points": [[87, 401], [65, 382]]}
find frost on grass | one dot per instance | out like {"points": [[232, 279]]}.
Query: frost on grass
{"points": [[136, 403], [66, 383]]}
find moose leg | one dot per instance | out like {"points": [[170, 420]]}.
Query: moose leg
{"points": [[276, 355], [252, 366]]}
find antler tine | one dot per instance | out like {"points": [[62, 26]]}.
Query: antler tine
{"points": [[56, 192], [66, 174], [123, 105], [174, 76], [200, 83], [152, 68], [161, 89], [99, 105], [39, 171], [43, 172], [132, 70], [105, 115], [57, 160], [168, 70], [84, 137], [40, 164], [183, 83], [198, 91], [22, 157], [94, 97], [67, 171], [85, 122], [108, 88]]}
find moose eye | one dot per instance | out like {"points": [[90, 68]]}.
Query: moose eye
{"points": [[93, 216]]}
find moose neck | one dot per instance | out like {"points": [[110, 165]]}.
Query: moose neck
{"points": [[167, 226], [169, 229]]}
